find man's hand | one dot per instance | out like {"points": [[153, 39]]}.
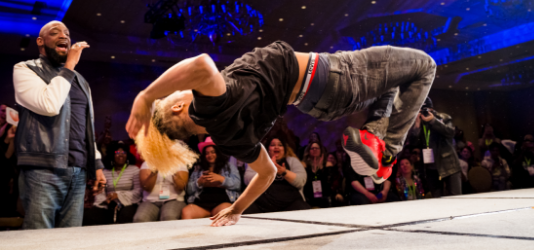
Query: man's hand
{"points": [[74, 55], [139, 116], [428, 118], [418, 121], [225, 217], [100, 182]]}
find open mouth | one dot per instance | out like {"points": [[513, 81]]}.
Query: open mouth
{"points": [[62, 47]]}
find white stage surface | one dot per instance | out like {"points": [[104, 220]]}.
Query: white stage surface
{"points": [[498, 220]]}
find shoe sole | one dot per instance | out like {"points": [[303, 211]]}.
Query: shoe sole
{"points": [[361, 157], [377, 180]]}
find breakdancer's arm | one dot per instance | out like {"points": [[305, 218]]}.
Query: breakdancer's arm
{"points": [[198, 73], [265, 177]]}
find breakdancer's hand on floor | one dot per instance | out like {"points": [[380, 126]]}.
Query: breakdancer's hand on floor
{"points": [[226, 217], [139, 116]]}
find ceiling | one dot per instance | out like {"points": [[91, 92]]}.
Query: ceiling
{"points": [[478, 44]]}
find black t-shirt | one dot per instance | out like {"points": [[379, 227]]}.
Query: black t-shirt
{"points": [[258, 87]]}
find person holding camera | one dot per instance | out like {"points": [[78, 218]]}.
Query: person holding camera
{"points": [[434, 133], [118, 202]]}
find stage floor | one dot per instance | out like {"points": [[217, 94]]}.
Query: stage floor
{"points": [[498, 220]]}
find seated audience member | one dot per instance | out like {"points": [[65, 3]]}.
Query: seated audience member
{"points": [[118, 202], [314, 136], [488, 138], [213, 185], [8, 163], [523, 165], [467, 161], [498, 167], [409, 186], [285, 194], [337, 178], [362, 190], [163, 196], [318, 187]]}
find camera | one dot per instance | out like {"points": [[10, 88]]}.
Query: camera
{"points": [[425, 111]]}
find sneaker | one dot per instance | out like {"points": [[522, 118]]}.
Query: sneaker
{"points": [[366, 153]]}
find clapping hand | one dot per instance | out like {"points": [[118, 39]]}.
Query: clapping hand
{"points": [[280, 169]]}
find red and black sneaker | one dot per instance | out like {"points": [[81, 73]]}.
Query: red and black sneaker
{"points": [[366, 153]]}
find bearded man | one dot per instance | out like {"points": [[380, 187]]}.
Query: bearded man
{"points": [[55, 142]]}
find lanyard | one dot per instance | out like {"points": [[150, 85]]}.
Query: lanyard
{"points": [[488, 142], [115, 181], [527, 161], [427, 136]]}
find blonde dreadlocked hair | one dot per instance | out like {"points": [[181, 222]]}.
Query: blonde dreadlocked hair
{"points": [[162, 153]]}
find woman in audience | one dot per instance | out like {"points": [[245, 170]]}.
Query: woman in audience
{"points": [[118, 202], [163, 196], [498, 167], [523, 165], [285, 194], [409, 186], [488, 137], [318, 187], [467, 161], [214, 184], [335, 168]]}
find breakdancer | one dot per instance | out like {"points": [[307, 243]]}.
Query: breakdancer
{"points": [[240, 104]]}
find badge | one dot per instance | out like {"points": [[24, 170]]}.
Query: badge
{"points": [[317, 189], [428, 156]]}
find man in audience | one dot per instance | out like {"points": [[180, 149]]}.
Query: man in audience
{"points": [[362, 190], [8, 173], [523, 165], [433, 133], [498, 168], [55, 142]]}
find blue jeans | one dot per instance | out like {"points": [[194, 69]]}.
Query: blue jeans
{"points": [[52, 197]]}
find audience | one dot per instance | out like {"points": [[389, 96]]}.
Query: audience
{"points": [[488, 137], [523, 165], [286, 192], [118, 202], [467, 161], [337, 177], [8, 170], [498, 167], [409, 185], [320, 180], [362, 190], [213, 185], [317, 189], [163, 196]]}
